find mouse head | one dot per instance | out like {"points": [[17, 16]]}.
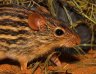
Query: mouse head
{"points": [[51, 31]]}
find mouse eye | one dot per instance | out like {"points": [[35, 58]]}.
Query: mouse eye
{"points": [[59, 32]]}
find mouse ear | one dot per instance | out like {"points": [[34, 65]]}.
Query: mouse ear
{"points": [[36, 21]]}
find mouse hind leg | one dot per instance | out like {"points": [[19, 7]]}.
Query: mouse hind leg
{"points": [[23, 60]]}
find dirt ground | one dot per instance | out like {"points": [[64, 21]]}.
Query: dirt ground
{"points": [[85, 65]]}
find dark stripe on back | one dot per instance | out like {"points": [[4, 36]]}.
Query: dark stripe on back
{"points": [[13, 33], [18, 11], [13, 23]]}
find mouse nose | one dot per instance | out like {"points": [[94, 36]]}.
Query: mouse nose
{"points": [[73, 41], [77, 39]]}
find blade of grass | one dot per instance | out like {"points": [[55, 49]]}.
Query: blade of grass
{"points": [[83, 14], [87, 45], [51, 8], [35, 67], [68, 16], [46, 63]]}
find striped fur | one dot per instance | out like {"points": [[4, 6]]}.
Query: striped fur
{"points": [[20, 42], [14, 28], [13, 25]]}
